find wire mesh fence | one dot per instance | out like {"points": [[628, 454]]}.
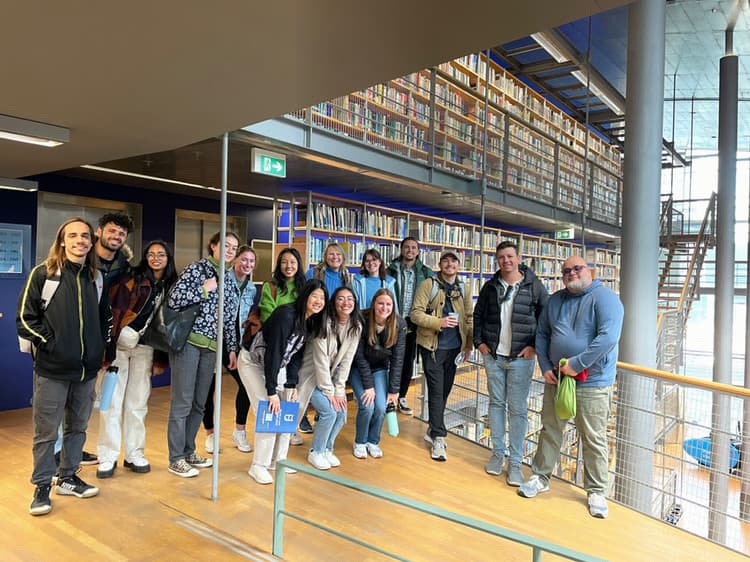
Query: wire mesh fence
{"points": [[675, 446]]}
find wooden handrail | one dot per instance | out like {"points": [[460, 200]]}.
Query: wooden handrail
{"points": [[737, 391]]}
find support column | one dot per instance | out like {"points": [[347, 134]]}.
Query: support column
{"points": [[723, 316], [640, 250]]}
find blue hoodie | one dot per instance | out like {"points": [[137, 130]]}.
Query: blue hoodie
{"points": [[585, 328]]}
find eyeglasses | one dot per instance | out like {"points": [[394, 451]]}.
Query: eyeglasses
{"points": [[153, 256], [576, 268]]}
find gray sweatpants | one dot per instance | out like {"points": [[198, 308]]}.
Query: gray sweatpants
{"points": [[192, 371]]}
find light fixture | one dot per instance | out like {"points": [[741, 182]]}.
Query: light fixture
{"points": [[176, 182], [614, 105], [548, 45], [557, 47], [32, 132], [18, 185]]}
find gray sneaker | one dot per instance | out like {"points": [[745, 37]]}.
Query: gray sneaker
{"points": [[198, 461], [533, 486], [514, 476], [182, 469], [438, 449], [495, 465]]}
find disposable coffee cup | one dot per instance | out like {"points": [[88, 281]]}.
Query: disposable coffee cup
{"points": [[453, 315]]}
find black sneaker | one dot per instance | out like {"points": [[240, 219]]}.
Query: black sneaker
{"points": [[73, 486], [304, 426], [89, 458], [41, 504]]}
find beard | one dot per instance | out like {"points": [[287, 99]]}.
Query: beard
{"points": [[575, 286]]}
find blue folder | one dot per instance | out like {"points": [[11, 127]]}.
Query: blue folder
{"points": [[283, 422]]}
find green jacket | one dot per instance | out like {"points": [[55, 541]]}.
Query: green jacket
{"points": [[271, 297]]}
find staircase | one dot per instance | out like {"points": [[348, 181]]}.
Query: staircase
{"points": [[684, 240]]}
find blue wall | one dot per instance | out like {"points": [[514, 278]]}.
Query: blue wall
{"points": [[158, 222]]}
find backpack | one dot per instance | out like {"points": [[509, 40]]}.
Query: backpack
{"points": [[48, 291], [436, 287]]}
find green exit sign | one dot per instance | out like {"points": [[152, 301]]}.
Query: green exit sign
{"points": [[567, 234], [268, 163]]}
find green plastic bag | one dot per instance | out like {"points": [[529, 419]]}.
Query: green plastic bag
{"points": [[565, 397]]}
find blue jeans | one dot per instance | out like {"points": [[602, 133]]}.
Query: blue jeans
{"points": [[329, 424], [370, 418], [508, 382]]}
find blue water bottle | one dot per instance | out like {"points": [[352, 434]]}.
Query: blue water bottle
{"points": [[109, 382], [391, 419]]}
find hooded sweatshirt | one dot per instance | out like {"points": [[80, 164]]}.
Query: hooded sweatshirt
{"points": [[584, 328]]}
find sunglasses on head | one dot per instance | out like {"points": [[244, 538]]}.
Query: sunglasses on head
{"points": [[575, 268]]}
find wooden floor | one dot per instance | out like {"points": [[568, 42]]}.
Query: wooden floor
{"points": [[158, 516]]}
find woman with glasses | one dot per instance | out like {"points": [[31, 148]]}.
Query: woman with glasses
{"points": [[324, 372], [242, 269], [371, 278], [383, 343], [270, 364], [193, 366], [135, 301]]}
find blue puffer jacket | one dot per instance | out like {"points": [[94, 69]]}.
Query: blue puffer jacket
{"points": [[189, 290]]}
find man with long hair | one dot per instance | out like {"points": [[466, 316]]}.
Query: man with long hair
{"points": [[68, 330]]}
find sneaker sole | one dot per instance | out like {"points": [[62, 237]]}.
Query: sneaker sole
{"points": [[245, 449], [305, 431], [201, 465], [43, 510], [439, 459], [493, 472], [524, 495], [87, 494], [137, 469]]}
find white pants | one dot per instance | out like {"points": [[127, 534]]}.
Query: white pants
{"points": [[127, 412], [269, 447]]}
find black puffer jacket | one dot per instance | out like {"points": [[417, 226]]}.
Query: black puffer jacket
{"points": [[379, 357], [70, 334], [529, 300]]}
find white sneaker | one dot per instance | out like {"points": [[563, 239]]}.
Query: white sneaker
{"points": [[375, 451], [260, 474], [598, 505], [360, 450], [533, 486], [332, 459], [296, 439], [211, 441], [318, 460], [239, 437]]}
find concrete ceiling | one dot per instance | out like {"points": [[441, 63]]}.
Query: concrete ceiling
{"points": [[143, 77]]}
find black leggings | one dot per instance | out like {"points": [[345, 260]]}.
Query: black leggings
{"points": [[241, 401]]}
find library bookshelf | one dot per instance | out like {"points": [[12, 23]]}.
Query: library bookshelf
{"points": [[310, 221], [471, 117]]}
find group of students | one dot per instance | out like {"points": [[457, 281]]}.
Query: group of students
{"points": [[317, 333]]}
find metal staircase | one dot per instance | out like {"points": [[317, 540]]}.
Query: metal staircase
{"points": [[684, 241]]}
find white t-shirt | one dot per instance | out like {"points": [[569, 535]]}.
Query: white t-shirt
{"points": [[505, 340]]}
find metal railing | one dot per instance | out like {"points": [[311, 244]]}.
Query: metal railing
{"points": [[671, 419], [537, 546]]}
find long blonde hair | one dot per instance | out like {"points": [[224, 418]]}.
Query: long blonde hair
{"points": [[56, 256], [391, 323]]}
